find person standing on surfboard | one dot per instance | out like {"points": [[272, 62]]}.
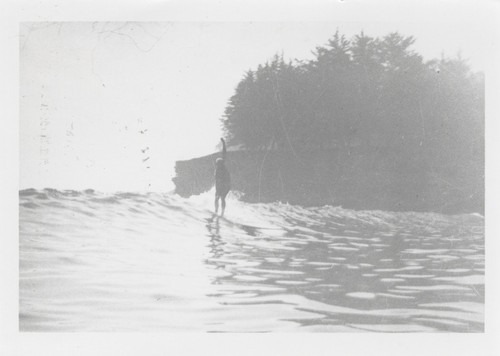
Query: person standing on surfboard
{"points": [[222, 180]]}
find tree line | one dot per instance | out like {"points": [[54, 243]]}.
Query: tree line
{"points": [[362, 93]]}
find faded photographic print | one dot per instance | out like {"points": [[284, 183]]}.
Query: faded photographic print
{"points": [[251, 177]]}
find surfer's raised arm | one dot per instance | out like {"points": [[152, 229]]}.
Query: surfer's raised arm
{"points": [[223, 149]]}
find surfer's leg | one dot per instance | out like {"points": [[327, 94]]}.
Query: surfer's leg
{"points": [[217, 203], [223, 200]]}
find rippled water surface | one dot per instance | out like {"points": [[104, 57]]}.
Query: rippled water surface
{"points": [[156, 262]]}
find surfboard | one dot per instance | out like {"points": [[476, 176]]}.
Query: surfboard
{"points": [[245, 226], [248, 228]]}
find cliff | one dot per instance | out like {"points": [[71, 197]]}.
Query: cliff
{"points": [[358, 179]]}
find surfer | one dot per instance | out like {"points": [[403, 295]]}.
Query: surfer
{"points": [[222, 180]]}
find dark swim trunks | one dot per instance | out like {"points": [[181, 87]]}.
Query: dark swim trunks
{"points": [[222, 182]]}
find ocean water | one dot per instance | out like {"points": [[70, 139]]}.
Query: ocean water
{"points": [[91, 261]]}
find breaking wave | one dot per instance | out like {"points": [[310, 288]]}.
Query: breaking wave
{"points": [[92, 261]]}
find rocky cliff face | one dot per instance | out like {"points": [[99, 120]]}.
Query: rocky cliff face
{"points": [[358, 179]]}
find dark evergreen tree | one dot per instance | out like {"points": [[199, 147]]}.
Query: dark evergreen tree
{"points": [[372, 93]]}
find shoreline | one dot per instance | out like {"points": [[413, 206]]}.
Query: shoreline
{"points": [[361, 179]]}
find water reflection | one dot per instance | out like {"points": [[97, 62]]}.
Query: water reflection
{"points": [[165, 263], [216, 243], [407, 273]]}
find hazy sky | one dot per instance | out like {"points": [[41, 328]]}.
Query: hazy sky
{"points": [[87, 90]]}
